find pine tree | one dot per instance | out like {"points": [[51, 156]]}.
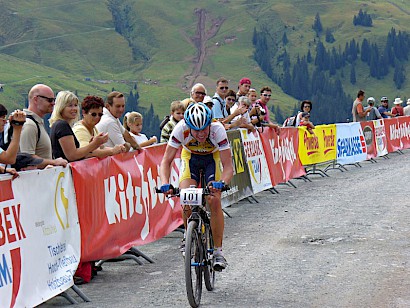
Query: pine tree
{"points": [[399, 76], [329, 36], [317, 25], [284, 38], [352, 75]]}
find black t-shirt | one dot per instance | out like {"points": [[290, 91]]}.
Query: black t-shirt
{"points": [[61, 129]]}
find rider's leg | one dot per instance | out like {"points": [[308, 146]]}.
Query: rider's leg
{"points": [[217, 218]]}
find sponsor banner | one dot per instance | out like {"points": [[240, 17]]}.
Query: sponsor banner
{"points": [[403, 131], [256, 161], [397, 133], [380, 136], [351, 145], [241, 182], [281, 154], [39, 237], [369, 137], [318, 147], [117, 204]]}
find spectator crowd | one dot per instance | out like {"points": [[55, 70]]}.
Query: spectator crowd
{"points": [[361, 113], [91, 127]]}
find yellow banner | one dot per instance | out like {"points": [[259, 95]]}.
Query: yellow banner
{"points": [[319, 146]]}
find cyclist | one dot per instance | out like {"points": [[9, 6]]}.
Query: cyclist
{"points": [[205, 146]]}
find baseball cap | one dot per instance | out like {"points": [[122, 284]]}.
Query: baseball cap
{"points": [[371, 100], [384, 98], [245, 81], [25, 160]]}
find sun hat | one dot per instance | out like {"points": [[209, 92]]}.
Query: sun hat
{"points": [[25, 160], [397, 101], [408, 101]]}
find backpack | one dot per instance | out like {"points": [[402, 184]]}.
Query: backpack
{"points": [[290, 122], [223, 110], [164, 121], [8, 134]]}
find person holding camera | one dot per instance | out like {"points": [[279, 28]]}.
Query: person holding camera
{"points": [[16, 119]]}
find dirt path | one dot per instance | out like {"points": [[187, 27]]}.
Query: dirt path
{"points": [[342, 241], [200, 41]]}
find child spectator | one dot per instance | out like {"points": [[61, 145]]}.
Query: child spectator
{"points": [[305, 121], [243, 119], [177, 114], [133, 123]]}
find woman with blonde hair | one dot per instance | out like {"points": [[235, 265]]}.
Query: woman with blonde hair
{"points": [[63, 140], [133, 124]]}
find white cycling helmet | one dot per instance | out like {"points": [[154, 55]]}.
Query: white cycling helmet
{"points": [[198, 116]]}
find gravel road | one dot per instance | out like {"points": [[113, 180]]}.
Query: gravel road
{"points": [[342, 241]]}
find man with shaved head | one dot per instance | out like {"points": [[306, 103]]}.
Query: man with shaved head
{"points": [[34, 137]]}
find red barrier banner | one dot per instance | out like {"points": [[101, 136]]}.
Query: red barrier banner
{"points": [[117, 204], [403, 131], [397, 133], [369, 137], [392, 135], [281, 154]]}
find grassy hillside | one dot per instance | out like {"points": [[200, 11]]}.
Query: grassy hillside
{"points": [[63, 42]]}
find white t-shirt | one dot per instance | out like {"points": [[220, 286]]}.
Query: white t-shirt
{"points": [[111, 125], [139, 138]]}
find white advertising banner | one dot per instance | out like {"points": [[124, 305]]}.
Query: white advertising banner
{"points": [[256, 161], [39, 237], [351, 145], [380, 135]]}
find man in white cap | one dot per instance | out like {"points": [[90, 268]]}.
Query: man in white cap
{"points": [[374, 114], [406, 109], [397, 110]]}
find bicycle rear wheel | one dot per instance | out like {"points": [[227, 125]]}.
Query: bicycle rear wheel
{"points": [[193, 264], [209, 273]]}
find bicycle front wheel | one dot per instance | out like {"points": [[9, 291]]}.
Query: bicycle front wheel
{"points": [[209, 273], [193, 264]]}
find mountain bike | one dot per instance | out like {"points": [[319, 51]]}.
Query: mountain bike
{"points": [[199, 245]]}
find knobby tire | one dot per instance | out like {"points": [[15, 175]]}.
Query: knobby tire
{"points": [[209, 273], [193, 268]]}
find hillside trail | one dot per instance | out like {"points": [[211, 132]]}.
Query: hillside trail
{"points": [[200, 40], [339, 241]]}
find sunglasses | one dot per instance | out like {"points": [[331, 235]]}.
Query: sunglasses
{"points": [[267, 95], [230, 99], [306, 106], [224, 88], [200, 93], [49, 99], [94, 114]]}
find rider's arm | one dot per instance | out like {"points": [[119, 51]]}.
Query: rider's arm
{"points": [[226, 160], [165, 167]]}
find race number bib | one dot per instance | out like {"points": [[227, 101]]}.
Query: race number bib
{"points": [[191, 196]]}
